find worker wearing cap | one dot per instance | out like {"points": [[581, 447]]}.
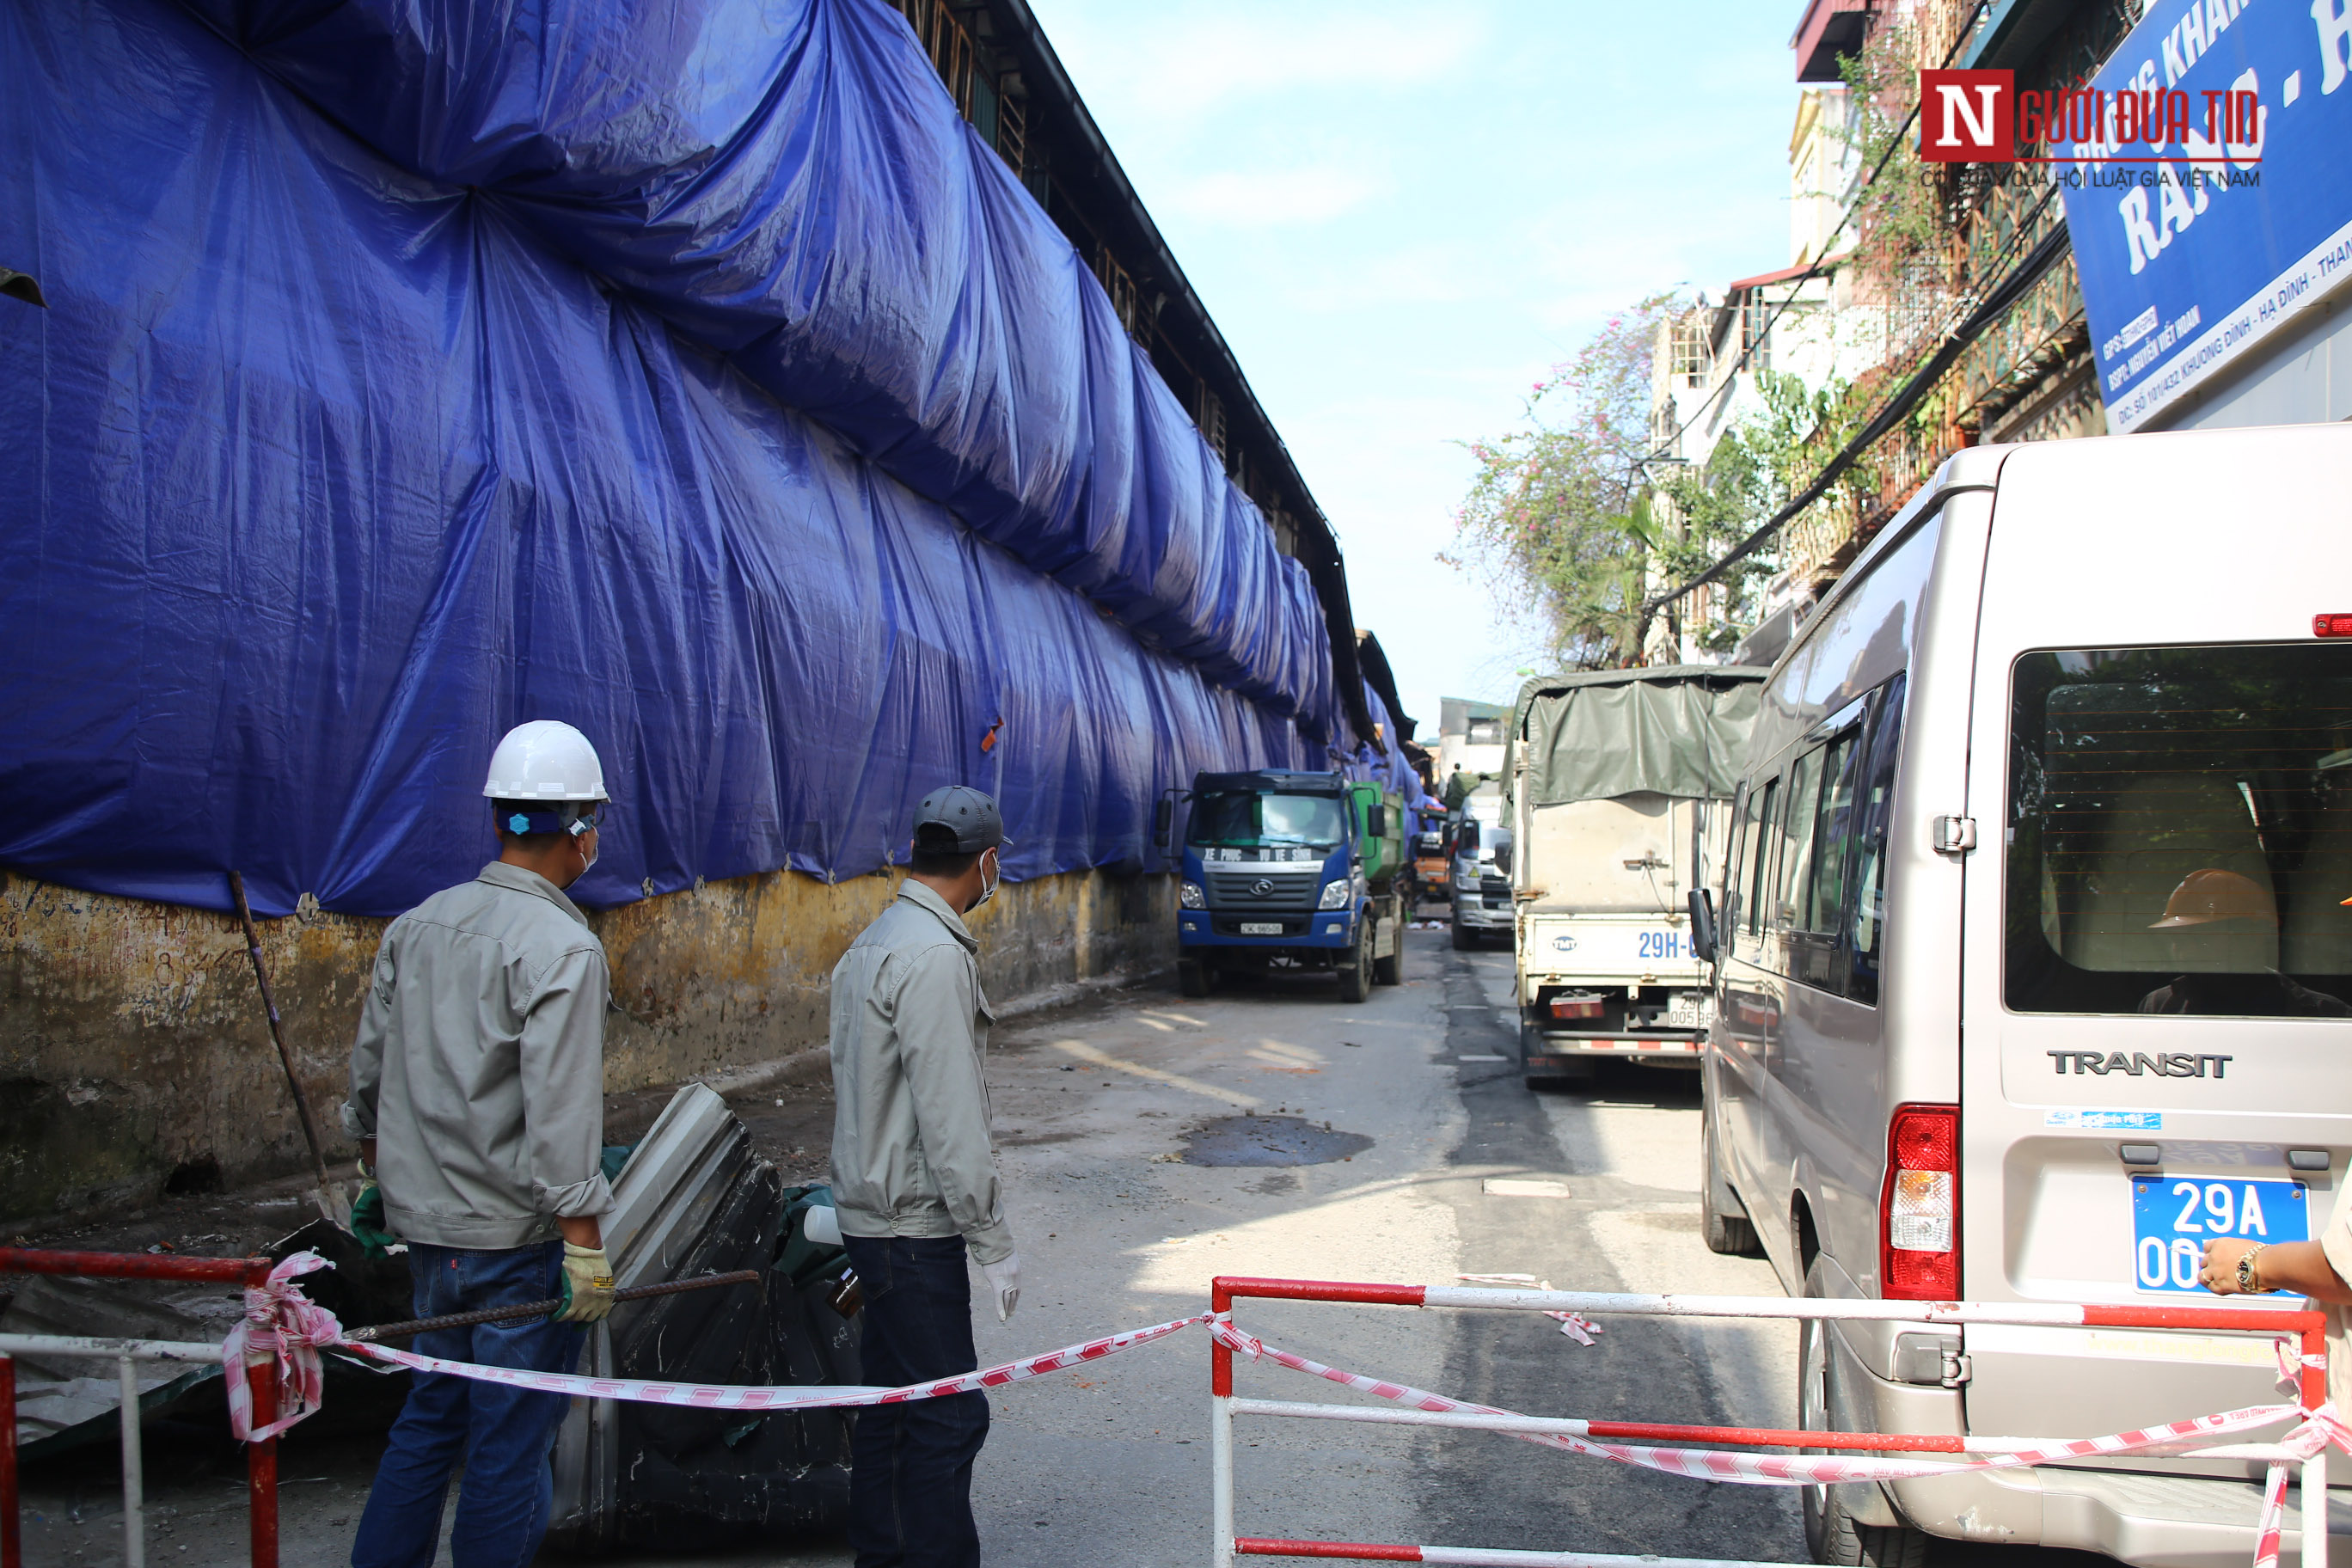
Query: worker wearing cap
{"points": [[915, 1186], [477, 1097]]}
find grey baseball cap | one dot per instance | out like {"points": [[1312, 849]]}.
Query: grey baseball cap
{"points": [[965, 811]]}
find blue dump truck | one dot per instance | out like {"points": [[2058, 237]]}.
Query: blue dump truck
{"points": [[1289, 871]]}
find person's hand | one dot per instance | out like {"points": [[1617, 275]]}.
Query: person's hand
{"points": [[1005, 1278], [587, 1284], [2219, 1272], [369, 1228]]}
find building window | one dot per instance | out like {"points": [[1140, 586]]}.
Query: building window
{"points": [[1688, 347], [1126, 299], [1754, 337]]}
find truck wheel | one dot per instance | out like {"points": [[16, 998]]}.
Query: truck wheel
{"points": [[1194, 978], [1732, 1235], [1356, 979], [1832, 1534], [1390, 970], [1462, 941]]}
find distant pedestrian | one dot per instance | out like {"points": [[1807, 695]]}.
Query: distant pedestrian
{"points": [[477, 1096], [915, 1185]]}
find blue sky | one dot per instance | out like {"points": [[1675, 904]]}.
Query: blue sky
{"points": [[1401, 216]]}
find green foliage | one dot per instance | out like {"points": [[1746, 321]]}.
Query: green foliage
{"points": [[1901, 217], [1557, 513], [1755, 469]]}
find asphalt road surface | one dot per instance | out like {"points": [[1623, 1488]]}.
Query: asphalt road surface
{"points": [[1095, 1109]]}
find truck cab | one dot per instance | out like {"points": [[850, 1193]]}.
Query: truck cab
{"points": [[1287, 871]]}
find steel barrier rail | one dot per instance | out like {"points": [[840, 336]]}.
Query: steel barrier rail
{"points": [[261, 1374], [2306, 1326]]}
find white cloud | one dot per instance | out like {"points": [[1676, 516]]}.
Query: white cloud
{"points": [[1255, 198], [1185, 62], [1401, 215]]}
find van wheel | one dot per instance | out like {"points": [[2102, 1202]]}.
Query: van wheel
{"points": [[1831, 1534], [1194, 978], [1734, 1235]]}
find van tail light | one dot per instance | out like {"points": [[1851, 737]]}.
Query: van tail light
{"points": [[2331, 626], [1920, 1209]]}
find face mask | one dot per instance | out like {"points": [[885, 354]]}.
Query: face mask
{"points": [[991, 874]]}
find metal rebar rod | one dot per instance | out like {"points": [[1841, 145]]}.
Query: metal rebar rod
{"points": [[415, 1326], [276, 1030], [134, 1502]]}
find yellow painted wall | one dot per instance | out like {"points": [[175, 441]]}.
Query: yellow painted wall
{"points": [[132, 1041]]}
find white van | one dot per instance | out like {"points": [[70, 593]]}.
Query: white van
{"points": [[2033, 967]]}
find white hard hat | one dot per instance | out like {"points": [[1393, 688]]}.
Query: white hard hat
{"points": [[545, 760]]}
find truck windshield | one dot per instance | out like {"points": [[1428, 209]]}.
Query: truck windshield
{"points": [[1240, 819], [2180, 831]]}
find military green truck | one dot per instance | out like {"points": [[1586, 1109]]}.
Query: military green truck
{"points": [[1617, 784]]}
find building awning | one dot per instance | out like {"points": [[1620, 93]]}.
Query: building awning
{"points": [[1782, 275], [1830, 28]]}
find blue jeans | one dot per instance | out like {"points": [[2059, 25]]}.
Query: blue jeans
{"points": [[910, 1465], [502, 1434]]}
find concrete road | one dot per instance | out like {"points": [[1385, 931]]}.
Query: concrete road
{"points": [[1110, 1465]]}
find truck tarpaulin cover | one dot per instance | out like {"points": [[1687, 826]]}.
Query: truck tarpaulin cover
{"points": [[690, 371], [1676, 730]]}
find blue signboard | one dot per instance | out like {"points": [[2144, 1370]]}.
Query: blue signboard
{"points": [[2194, 249]]}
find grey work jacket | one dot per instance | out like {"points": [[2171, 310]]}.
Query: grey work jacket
{"points": [[480, 1066], [911, 1155]]}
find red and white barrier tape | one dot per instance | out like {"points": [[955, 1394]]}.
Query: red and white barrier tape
{"points": [[281, 1323], [1803, 1469], [723, 1396], [287, 1326]]}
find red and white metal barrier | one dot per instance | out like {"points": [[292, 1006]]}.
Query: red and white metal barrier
{"points": [[1638, 1442], [259, 1372]]}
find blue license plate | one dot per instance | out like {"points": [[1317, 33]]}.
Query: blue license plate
{"points": [[2175, 1216]]}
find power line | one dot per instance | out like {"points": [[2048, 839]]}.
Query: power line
{"points": [[2045, 253], [1796, 288]]}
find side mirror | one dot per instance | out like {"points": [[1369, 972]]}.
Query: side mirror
{"points": [[1376, 821], [1163, 822], [1702, 916], [1465, 842]]}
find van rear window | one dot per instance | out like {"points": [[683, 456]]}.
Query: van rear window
{"points": [[2180, 831]]}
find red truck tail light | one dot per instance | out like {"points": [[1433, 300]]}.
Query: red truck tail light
{"points": [[1919, 1209], [2331, 626]]}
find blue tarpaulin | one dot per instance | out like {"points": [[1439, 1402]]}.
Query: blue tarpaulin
{"points": [[689, 373]]}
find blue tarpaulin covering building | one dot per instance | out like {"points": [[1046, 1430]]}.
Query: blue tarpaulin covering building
{"points": [[690, 373]]}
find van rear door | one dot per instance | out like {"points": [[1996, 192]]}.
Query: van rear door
{"points": [[2157, 990]]}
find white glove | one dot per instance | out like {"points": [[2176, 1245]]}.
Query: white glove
{"points": [[1005, 1278], [821, 1224]]}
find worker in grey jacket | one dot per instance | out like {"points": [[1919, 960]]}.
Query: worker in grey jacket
{"points": [[915, 1185], [477, 1097]]}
